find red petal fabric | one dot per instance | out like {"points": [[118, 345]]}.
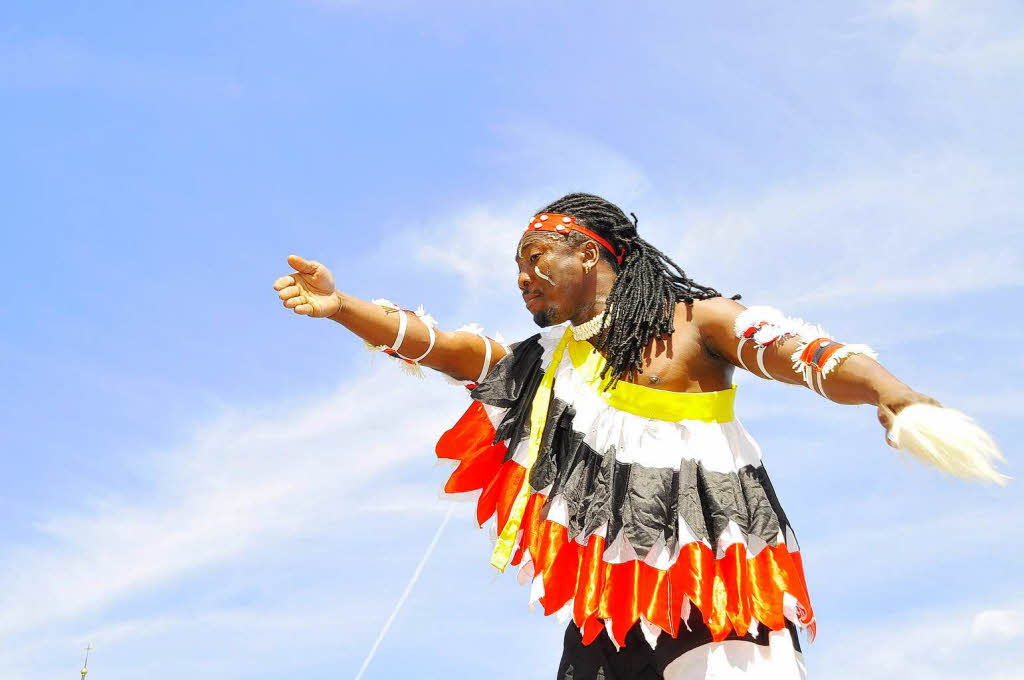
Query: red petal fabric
{"points": [[728, 591]]}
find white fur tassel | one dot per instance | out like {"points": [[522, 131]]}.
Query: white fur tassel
{"points": [[453, 381], [412, 369], [949, 440]]}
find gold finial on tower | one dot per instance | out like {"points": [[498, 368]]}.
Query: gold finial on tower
{"points": [[85, 666]]}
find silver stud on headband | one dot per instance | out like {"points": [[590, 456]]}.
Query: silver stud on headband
{"points": [[567, 219], [537, 225], [543, 217]]}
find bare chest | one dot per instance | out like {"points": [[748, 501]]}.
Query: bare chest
{"points": [[680, 363]]}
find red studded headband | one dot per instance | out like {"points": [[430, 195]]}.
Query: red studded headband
{"points": [[563, 224]]}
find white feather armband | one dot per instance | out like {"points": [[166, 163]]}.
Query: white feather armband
{"points": [[764, 325], [412, 365], [817, 355]]}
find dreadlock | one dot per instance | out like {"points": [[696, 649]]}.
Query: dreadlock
{"points": [[647, 286]]}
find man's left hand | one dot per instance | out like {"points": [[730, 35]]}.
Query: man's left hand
{"points": [[897, 400]]}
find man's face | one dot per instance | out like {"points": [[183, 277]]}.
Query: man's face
{"points": [[550, 277]]}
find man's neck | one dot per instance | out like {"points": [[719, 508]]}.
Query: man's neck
{"points": [[590, 311], [602, 287]]}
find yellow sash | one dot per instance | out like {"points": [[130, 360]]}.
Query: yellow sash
{"points": [[538, 414], [639, 400]]}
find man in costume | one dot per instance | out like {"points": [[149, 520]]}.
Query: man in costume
{"points": [[624, 487]]}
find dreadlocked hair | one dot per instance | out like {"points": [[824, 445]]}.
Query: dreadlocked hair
{"points": [[642, 302]]}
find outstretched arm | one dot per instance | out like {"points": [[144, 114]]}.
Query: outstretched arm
{"points": [[797, 353], [310, 291]]}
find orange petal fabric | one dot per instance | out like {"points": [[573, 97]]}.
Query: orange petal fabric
{"points": [[728, 591]]}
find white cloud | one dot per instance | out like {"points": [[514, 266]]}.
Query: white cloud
{"points": [[998, 623], [975, 38], [245, 481], [940, 644], [974, 271], [477, 242], [909, 545], [556, 161], [908, 228], [1005, 401], [892, 226]]}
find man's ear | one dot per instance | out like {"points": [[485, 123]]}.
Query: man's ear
{"points": [[589, 255]]}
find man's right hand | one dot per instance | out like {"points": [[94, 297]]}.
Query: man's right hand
{"points": [[309, 290]]}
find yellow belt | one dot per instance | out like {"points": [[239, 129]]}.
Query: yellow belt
{"points": [[639, 400]]}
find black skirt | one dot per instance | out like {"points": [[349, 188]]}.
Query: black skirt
{"points": [[600, 660]]}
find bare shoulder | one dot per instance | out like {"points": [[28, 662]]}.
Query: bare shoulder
{"points": [[714, 320], [685, 361], [713, 312], [716, 306]]}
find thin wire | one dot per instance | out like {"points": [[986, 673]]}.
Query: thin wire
{"points": [[405, 595]]}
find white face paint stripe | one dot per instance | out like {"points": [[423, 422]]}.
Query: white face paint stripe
{"points": [[541, 275]]}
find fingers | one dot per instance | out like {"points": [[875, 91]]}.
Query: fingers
{"points": [[290, 291], [885, 417], [300, 304], [303, 265]]}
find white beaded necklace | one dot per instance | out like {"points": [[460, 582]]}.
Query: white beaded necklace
{"points": [[588, 329]]}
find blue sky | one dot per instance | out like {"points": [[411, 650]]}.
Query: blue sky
{"points": [[202, 484]]}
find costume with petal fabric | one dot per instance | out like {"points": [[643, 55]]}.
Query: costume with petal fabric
{"points": [[645, 516]]}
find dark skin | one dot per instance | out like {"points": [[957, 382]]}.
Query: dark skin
{"points": [[561, 282], [582, 280], [700, 355]]}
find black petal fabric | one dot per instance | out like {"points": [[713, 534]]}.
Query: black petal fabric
{"points": [[646, 502], [643, 502], [503, 386], [511, 384]]}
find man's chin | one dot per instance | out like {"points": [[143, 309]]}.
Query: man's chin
{"points": [[543, 317]]}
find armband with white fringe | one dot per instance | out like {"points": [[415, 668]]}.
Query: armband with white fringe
{"points": [[412, 366], [817, 355]]}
